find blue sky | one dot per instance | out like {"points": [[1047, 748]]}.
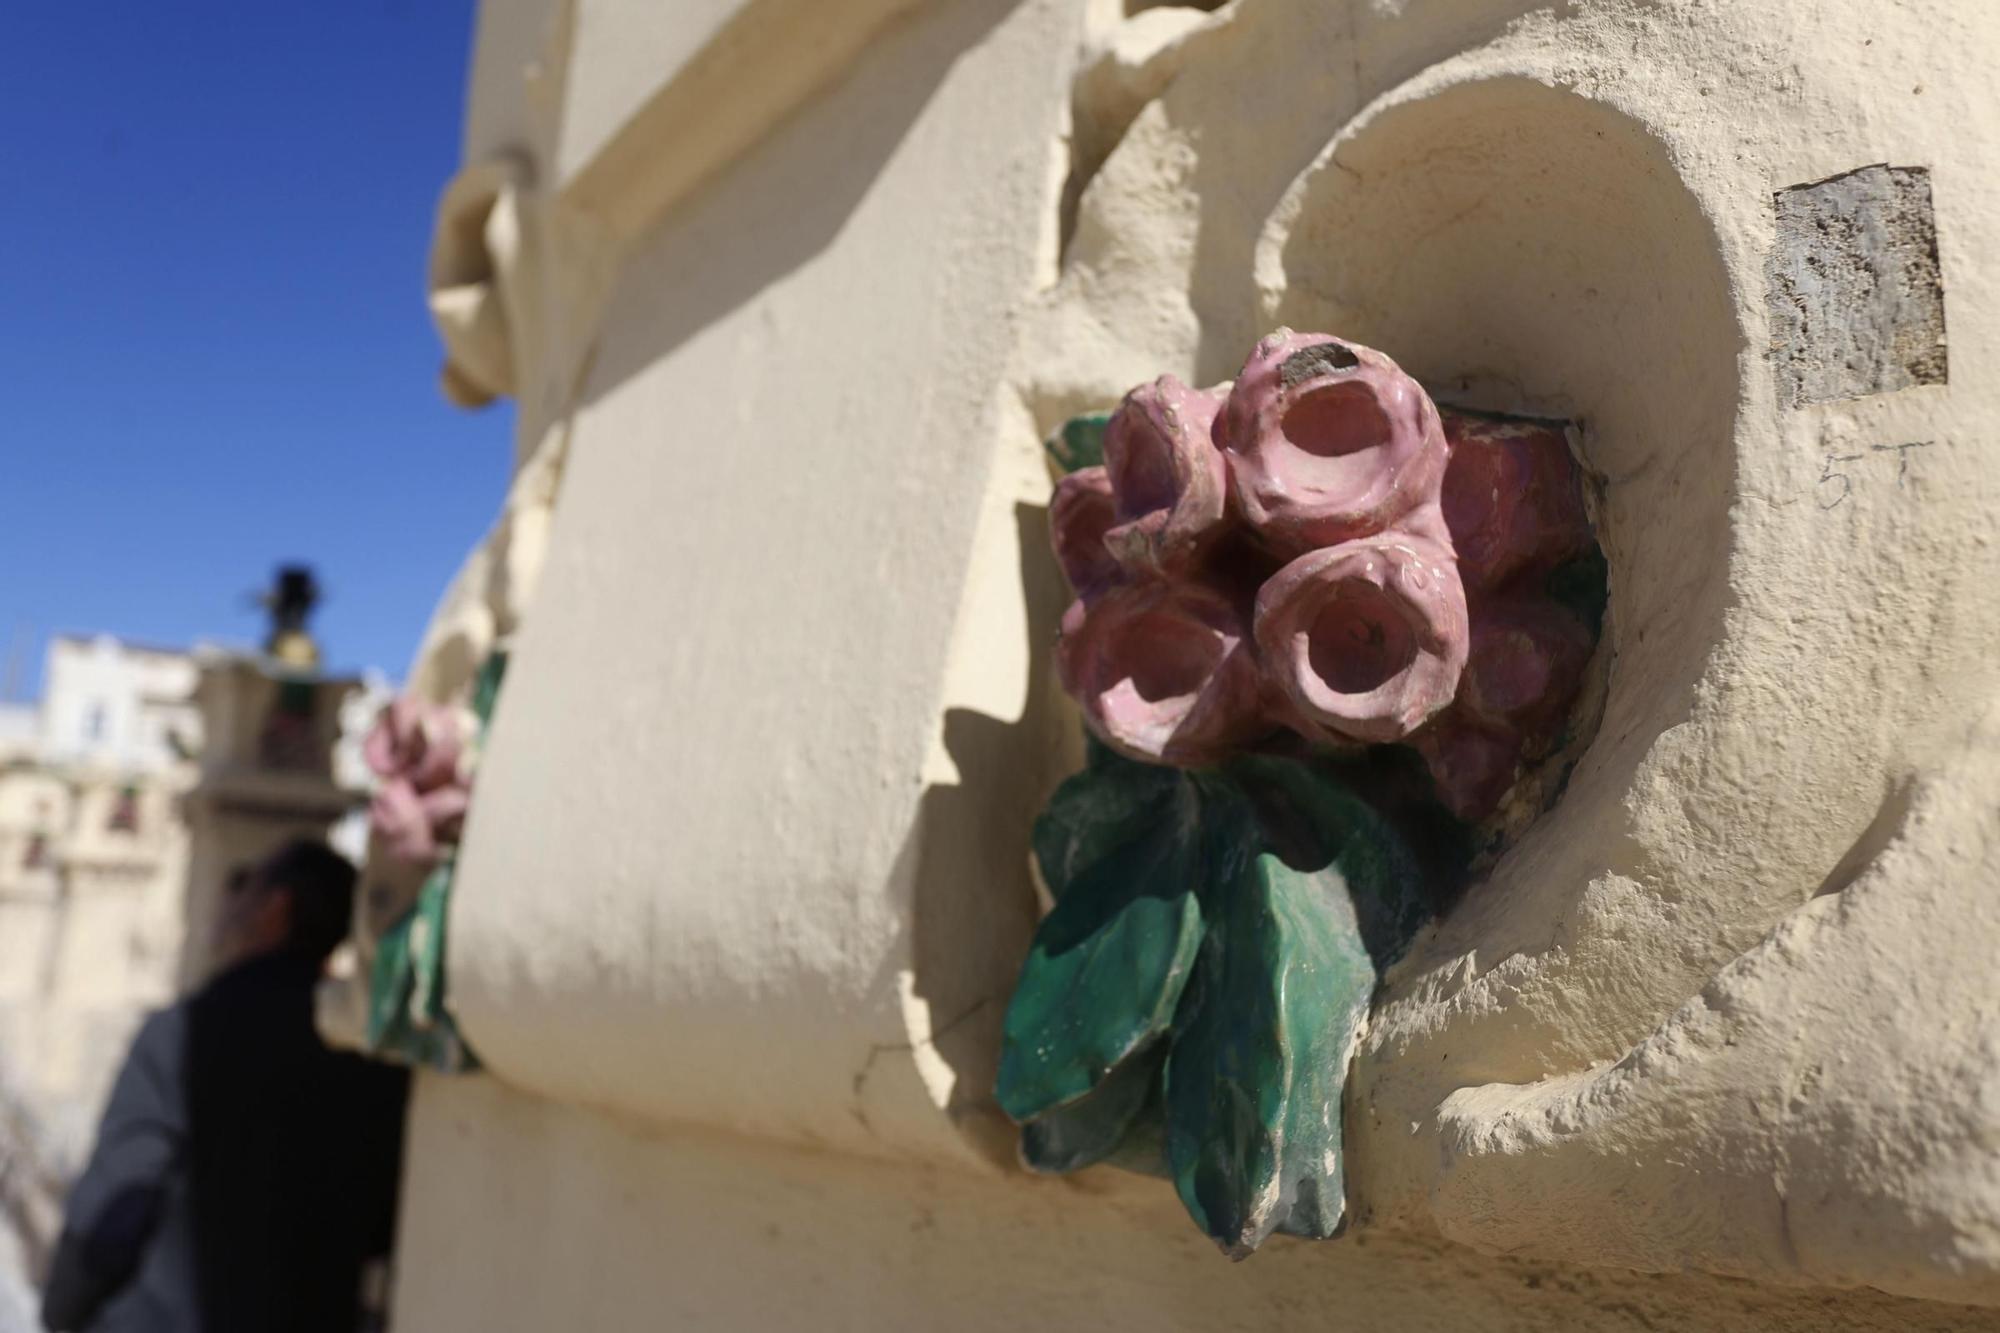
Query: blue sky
{"points": [[214, 353]]}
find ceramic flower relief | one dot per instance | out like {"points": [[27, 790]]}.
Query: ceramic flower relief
{"points": [[418, 751], [1319, 625], [1315, 549], [1513, 502]]}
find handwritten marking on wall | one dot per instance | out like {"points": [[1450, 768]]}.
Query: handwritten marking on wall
{"points": [[1836, 473]]}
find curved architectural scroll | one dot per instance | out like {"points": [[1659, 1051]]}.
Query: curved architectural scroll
{"points": [[477, 253]]}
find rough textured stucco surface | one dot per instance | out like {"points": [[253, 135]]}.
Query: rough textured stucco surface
{"points": [[1837, 1085], [613, 1230], [1569, 209]]}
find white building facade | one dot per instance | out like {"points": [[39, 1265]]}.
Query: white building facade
{"points": [[93, 867], [143, 778], [112, 705]]}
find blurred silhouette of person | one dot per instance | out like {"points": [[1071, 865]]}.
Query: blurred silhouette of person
{"points": [[244, 1175]]}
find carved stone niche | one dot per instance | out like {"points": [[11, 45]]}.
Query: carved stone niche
{"points": [[1727, 1003]]}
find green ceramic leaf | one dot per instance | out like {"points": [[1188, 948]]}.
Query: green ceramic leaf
{"points": [[1079, 442], [1107, 965], [1311, 818], [1256, 907], [486, 685], [1143, 1150], [1101, 809], [407, 1018], [1261, 1045], [1093, 1127], [1328, 983]]}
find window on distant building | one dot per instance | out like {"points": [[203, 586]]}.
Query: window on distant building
{"points": [[93, 723], [37, 854], [125, 813]]}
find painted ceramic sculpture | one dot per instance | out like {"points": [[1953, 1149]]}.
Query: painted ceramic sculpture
{"points": [[415, 750], [1320, 630], [423, 754]]}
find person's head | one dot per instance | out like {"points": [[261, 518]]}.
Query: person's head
{"points": [[298, 899]]}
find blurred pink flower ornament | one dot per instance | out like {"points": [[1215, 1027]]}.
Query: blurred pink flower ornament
{"points": [[416, 748]]}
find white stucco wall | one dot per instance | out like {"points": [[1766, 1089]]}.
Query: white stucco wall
{"points": [[607, 1228], [747, 854], [740, 843]]}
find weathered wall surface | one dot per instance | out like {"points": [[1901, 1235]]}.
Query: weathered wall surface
{"points": [[1572, 210], [608, 1229], [748, 850], [90, 931], [799, 382]]}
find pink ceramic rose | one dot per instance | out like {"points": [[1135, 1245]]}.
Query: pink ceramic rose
{"points": [[1079, 516], [416, 749], [1472, 765], [1163, 671], [1525, 661], [1283, 554], [1167, 479], [1365, 639], [1512, 498], [1327, 441], [1523, 667]]}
